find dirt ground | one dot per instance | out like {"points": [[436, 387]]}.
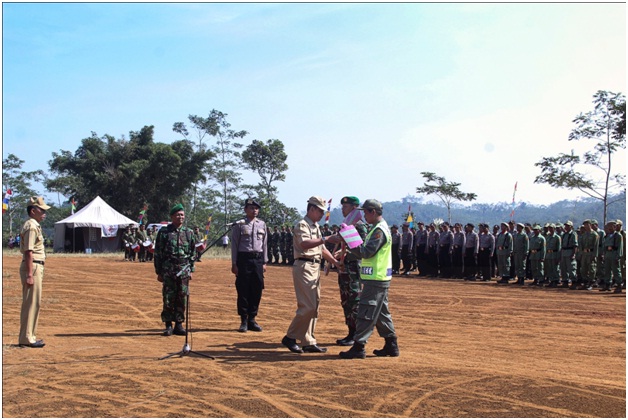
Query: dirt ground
{"points": [[468, 349]]}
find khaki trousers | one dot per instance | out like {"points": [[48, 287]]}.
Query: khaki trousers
{"points": [[31, 302], [307, 287]]}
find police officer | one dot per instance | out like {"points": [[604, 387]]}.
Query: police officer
{"points": [[432, 250], [349, 277], [471, 248], [420, 245], [486, 242], [520, 253], [407, 242], [568, 254], [396, 248], [503, 243], [249, 245], [174, 252], [445, 249], [457, 254]]}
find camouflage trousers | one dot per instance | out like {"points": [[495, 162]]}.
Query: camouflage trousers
{"points": [[175, 291], [349, 284]]}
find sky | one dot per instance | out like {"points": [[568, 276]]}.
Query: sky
{"points": [[364, 96]]}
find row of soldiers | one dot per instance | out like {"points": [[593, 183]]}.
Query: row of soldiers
{"points": [[133, 240], [556, 253], [279, 244]]}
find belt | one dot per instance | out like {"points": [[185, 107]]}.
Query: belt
{"points": [[253, 255], [314, 260], [37, 262]]}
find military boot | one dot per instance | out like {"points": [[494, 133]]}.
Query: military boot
{"points": [[244, 324], [168, 330], [355, 352], [520, 281], [252, 325], [348, 340], [390, 348], [178, 329]]}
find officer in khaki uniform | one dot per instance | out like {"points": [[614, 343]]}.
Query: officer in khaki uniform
{"points": [[32, 272], [309, 248]]}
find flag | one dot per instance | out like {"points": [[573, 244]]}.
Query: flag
{"points": [[328, 211], [5, 201], [73, 206], [512, 213], [142, 213], [410, 219], [108, 231], [207, 225]]}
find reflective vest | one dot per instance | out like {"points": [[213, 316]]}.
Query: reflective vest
{"points": [[379, 266]]}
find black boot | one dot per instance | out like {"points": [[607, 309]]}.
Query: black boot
{"points": [[348, 340], [168, 330], [390, 348], [252, 325], [520, 281], [178, 329], [355, 352], [244, 324]]}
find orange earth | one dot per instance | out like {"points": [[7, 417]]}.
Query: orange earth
{"points": [[468, 349]]}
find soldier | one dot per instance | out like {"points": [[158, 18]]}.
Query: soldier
{"points": [[613, 250], [140, 238], [599, 271], [457, 254], [396, 248], [537, 255], [199, 249], [552, 260], [248, 262], [269, 247], [290, 246], [520, 253], [151, 234], [445, 249], [134, 245], [407, 242], [618, 228], [174, 263], [275, 238], [494, 264], [127, 240], [486, 242], [503, 243], [588, 247], [349, 276], [432, 250], [32, 272], [568, 255], [528, 231], [282, 246], [471, 248]]}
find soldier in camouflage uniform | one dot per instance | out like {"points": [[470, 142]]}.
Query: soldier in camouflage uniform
{"points": [[174, 252], [289, 245], [283, 245], [275, 240], [140, 238], [349, 278]]}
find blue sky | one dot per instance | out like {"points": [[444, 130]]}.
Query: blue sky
{"points": [[364, 96]]}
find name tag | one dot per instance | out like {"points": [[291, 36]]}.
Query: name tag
{"points": [[367, 270]]}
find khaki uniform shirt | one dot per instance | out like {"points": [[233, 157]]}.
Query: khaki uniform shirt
{"points": [[304, 230], [32, 239]]}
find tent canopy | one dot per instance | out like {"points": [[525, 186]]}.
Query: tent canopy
{"points": [[86, 228]]}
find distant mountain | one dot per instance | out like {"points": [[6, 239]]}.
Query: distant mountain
{"points": [[395, 212]]}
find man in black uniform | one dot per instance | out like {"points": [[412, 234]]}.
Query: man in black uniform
{"points": [[249, 254]]}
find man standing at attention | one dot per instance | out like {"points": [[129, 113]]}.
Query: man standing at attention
{"points": [[249, 247], [375, 274], [503, 243], [521, 245], [174, 250], [568, 255], [349, 278], [32, 272], [309, 248]]}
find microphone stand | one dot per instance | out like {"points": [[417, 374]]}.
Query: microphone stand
{"points": [[187, 348]]}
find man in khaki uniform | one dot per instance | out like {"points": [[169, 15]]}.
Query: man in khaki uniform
{"points": [[32, 272], [309, 248]]}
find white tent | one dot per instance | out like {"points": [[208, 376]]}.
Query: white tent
{"points": [[97, 227]]}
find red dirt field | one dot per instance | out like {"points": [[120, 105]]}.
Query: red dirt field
{"points": [[468, 349]]}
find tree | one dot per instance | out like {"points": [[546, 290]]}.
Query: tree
{"points": [[448, 192], [269, 161], [129, 174], [606, 126], [19, 182]]}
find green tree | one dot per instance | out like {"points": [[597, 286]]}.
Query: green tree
{"points": [[19, 182], [593, 173], [448, 192], [129, 174]]}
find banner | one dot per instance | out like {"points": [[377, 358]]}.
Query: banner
{"points": [[328, 211], [109, 231], [5, 201], [410, 219]]}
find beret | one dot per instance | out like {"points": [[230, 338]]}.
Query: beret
{"points": [[176, 208]]}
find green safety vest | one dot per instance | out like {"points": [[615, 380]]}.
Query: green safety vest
{"points": [[379, 266]]}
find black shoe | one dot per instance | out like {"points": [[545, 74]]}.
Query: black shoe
{"points": [[178, 329], [390, 348], [520, 282], [502, 281], [291, 343], [552, 285], [355, 352], [168, 330], [617, 289], [254, 326], [534, 283], [36, 345], [244, 325], [314, 349], [573, 286]]}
